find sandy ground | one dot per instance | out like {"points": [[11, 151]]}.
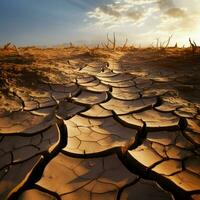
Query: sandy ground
{"points": [[35, 65], [80, 123]]}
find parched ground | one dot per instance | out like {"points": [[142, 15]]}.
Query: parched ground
{"points": [[97, 124]]}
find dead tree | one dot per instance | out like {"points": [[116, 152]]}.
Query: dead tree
{"points": [[112, 42], [16, 49], [6, 46], [9, 45], [103, 45], [168, 41], [71, 45], [194, 46], [124, 46], [163, 45], [107, 44]]}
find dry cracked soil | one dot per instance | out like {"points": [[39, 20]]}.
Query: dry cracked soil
{"points": [[98, 124]]}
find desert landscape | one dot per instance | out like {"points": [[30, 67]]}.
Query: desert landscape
{"points": [[106, 122]]}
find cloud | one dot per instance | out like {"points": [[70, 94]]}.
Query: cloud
{"points": [[133, 12], [141, 2], [179, 20], [176, 13], [138, 12], [166, 4], [135, 15], [109, 10], [147, 18], [170, 10]]}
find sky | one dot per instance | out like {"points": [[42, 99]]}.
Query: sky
{"points": [[51, 22]]}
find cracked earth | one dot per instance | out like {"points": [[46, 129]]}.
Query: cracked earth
{"points": [[111, 126]]}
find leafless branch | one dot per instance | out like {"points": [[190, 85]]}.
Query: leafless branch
{"points": [[124, 46], [168, 41], [194, 46], [113, 42], [9, 45]]}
